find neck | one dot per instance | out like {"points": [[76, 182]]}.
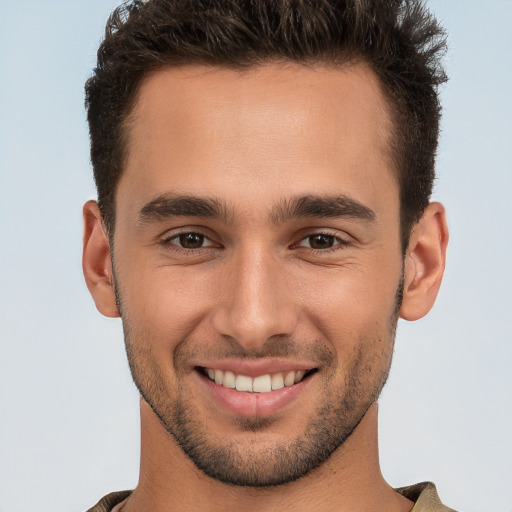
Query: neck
{"points": [[350, 480]]}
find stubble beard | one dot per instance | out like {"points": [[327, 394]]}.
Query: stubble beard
{"points": [[332, 423]]}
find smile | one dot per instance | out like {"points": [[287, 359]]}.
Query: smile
{"points": [[259, 384], [254, 388]]}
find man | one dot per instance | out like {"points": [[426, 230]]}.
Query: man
{"points": [[264, 171]]}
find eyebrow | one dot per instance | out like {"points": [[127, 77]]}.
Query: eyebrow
{"points": [[308, 206], [170, 205], [331, 207]]}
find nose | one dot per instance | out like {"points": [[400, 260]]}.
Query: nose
{"points": [[254, 301]]}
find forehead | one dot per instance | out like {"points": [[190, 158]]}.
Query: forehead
{"points": [[275, 128]]}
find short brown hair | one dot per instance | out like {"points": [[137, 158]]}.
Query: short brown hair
{"points": [[399, 39]]}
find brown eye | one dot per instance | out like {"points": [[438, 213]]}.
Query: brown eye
{"points": [[321, 241], [191, 240]]}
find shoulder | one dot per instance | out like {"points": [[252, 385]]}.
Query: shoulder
{"points": [[425, 497], [108, 502]]}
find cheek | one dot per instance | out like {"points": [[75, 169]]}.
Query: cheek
{"points": [[358, 322], [351, 304], [165, 304]]}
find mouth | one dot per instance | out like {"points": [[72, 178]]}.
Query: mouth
{"points": [[257, 395], [264, 383]]}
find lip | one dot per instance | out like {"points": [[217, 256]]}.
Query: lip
{"points": [[253, 405], [255, 367]]}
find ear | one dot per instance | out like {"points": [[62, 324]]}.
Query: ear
{"points": [[424, 263], [96, 261]]}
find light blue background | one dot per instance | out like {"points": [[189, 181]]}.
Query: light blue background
{"points": [[68, 410]]}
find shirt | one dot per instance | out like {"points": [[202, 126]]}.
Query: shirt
{"points": [[423, 495]]}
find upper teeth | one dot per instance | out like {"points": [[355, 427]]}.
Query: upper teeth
{"points": [[261, 384]]}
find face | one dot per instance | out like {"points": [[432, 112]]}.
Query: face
{"points": [[258, 263]]}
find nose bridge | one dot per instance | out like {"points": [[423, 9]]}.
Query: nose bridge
{"points": [[255, 305]]}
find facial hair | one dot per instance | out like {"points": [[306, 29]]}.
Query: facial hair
{"points": [[338, 413]]}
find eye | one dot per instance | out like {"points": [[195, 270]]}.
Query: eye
{"points": [[190, 240], [320, 241]]}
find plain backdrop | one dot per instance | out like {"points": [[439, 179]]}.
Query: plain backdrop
{"points": [[69, 428]]}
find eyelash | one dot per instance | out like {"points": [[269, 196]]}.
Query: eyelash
{"points": [[339, 243], [172, 242], [168, 242]]}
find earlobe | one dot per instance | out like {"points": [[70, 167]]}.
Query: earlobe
{"points": [[96, 261], [424, 263]]}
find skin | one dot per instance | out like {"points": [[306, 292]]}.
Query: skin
{"points": [[261, 286]]}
